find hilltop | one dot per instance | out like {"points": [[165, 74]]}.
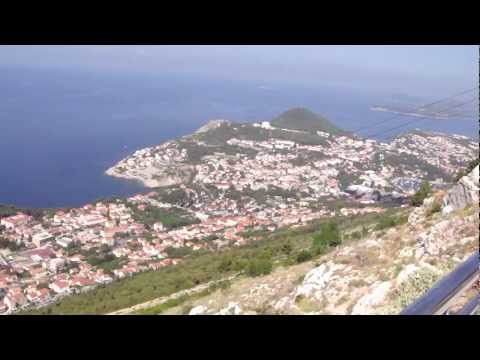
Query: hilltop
{"points": [[305, 120]]}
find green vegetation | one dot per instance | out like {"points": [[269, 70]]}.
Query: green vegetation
{"points": [[8, 210], [261, 196], [303, 256], [172, 195], [260, 266], [249, 233], [171, 303], [422, 193], [329, 236], [436, 207], [304, 120], [171, 218], [278, 248], [300, 138], [411, 162], [386, 221], [177, 253], [415, 287], [107, 262], [346, 178]]}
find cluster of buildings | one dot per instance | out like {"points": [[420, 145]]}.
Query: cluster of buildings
{"points": [[162, 155], [276, 164], [440, 150], [60, 263], [266, 170], [281, 183]]}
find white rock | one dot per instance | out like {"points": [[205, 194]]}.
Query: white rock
{"points": [[231, 309], [465, 192], [198, 310], [317, 279], [371, 243], [409, 270], [375, 296], [283, 303], [406, 252]]}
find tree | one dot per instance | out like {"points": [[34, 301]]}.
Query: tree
{"points": [[225, 265], [259, 266], [287, 248], [422, 193], [303, 256], [329, 236]]}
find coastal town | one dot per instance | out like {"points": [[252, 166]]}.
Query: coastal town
{"points": [[57, 254], [230, 197], [324, 169]]}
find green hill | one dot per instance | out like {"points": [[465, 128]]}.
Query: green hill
{"points": [[305, 120]]}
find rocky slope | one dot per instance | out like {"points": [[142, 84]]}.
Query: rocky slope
{"points": [[381, 274], [463, 193]]}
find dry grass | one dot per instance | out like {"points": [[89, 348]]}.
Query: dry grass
{"points": [[344, 260], [366, 257], [342, 300], [357, 283]]}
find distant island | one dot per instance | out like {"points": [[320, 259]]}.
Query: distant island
{"points": [[429, 115]]}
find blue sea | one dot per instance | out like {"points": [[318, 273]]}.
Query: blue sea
{"points": [[60, 130]]}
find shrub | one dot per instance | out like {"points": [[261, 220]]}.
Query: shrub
{"points": [[180, 252], [385, 222], [416, 286], [258, 267], [356, 235], [436, 207], [422, 193], [226, 265], [286, 248], [304, 256], [329, 236]]}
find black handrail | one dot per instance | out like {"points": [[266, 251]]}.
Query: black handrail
{"points": [[445, 289]]}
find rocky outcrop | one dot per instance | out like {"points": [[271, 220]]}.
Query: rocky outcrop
{"points": [[375, 296], [464, 193], [316, 280], [198, 310], [231, 309], [157, 176], [212, 124]]}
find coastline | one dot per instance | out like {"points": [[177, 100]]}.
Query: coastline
{"points": [[150, 184]]}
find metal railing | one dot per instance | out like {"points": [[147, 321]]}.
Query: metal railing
{"points": [[439, 299]]}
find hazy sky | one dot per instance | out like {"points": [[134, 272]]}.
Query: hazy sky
{"points": [[417, 70]]}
